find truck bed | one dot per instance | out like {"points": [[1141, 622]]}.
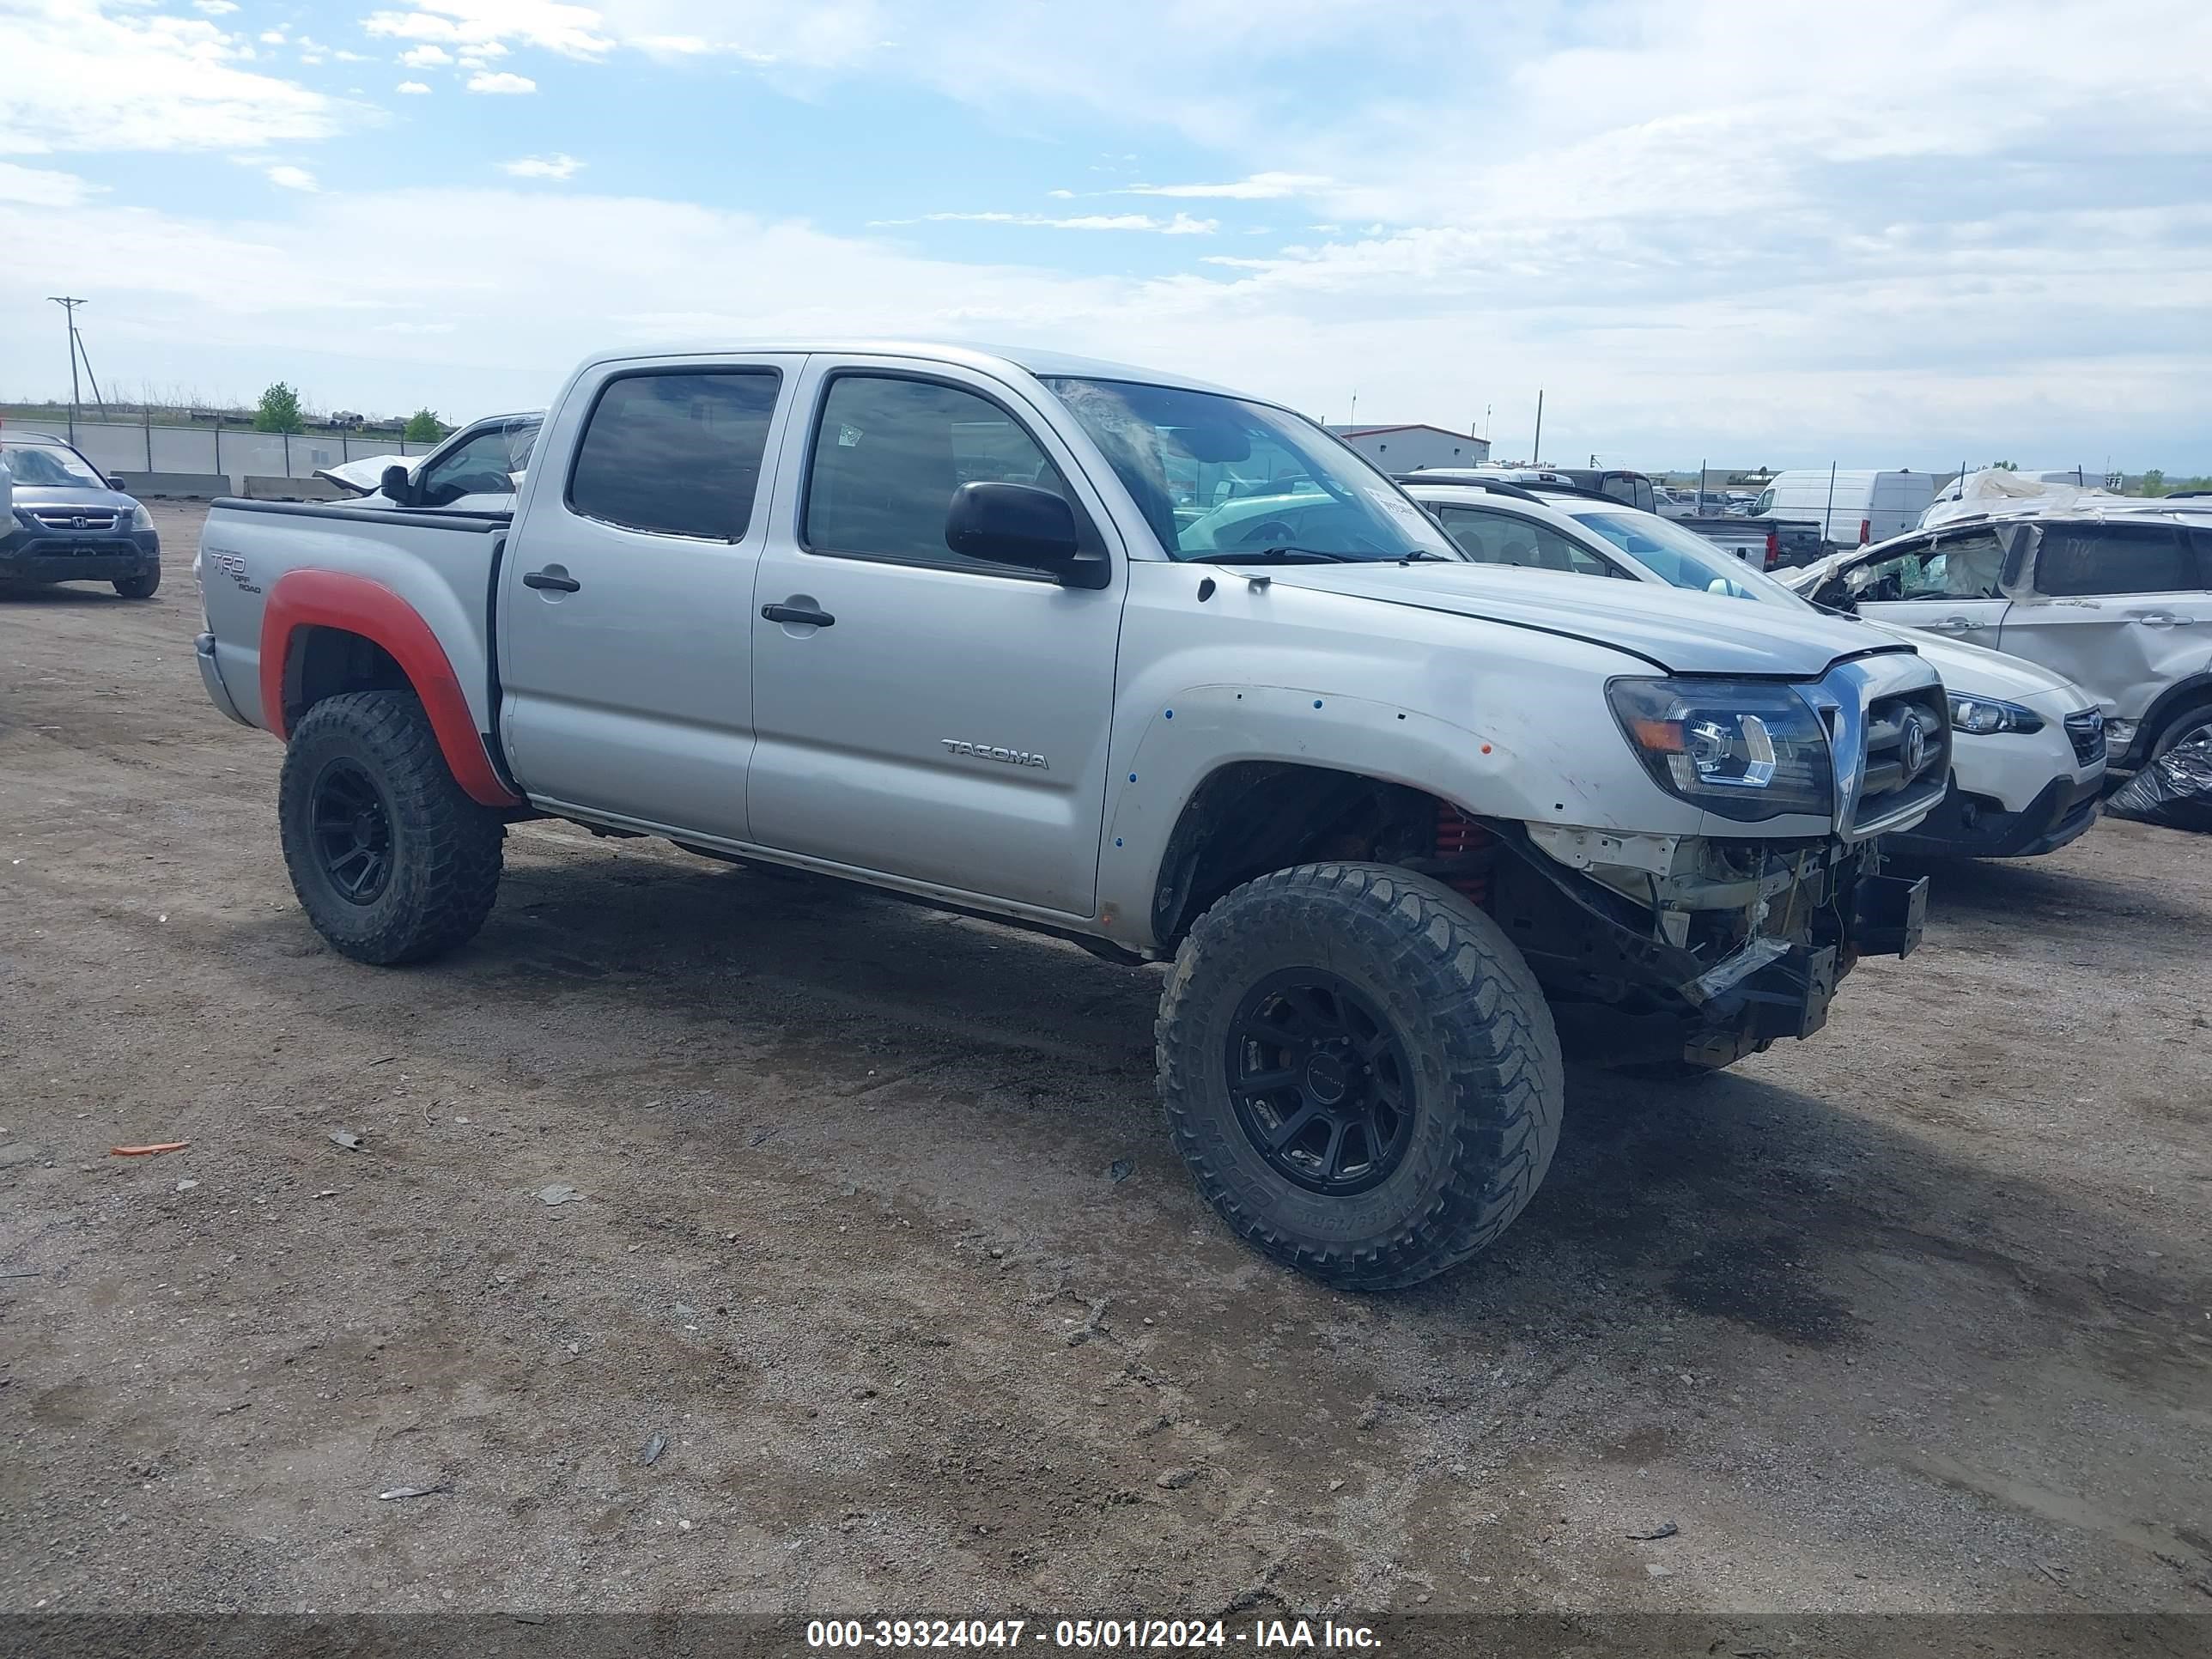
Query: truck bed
{"points": [[439, 565]]}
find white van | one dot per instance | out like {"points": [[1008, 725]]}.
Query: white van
{"points": [[1853, 508]]}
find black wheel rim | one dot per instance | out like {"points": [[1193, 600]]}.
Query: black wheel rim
{"points": [[1321, 1082], [351, 829]]}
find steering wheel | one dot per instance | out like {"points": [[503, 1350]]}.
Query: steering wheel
{"points": [[1267, 533]]}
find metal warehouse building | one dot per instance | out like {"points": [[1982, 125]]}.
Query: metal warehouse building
{"points": [[1402, 448]]}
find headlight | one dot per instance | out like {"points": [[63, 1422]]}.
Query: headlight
{"points": [[1983, 715], [140, 518], [1745, 750]]}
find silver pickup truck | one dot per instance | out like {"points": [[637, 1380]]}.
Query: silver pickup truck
{"points": [[1134, 661]]}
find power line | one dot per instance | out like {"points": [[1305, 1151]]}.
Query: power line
{"points": [[69, 303]]}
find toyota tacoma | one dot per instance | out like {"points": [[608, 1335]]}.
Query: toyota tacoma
{"points": [[1131, 660]]}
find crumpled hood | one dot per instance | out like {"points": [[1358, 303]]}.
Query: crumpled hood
{"points": [[365, 476], [1686, 633]]}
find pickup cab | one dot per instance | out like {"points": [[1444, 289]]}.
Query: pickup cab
{"points": [[1007, 634]]}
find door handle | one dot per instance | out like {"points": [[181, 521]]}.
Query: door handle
{"points": [[552, 579], [1952, 625], [797, 613], [2160, 619]]}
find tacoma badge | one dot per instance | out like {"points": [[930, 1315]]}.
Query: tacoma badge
{"points": [[988, 751]]}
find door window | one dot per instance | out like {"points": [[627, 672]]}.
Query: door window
{"points": [[487, 464], [1968, 564], [889, 454], [1505, 538], [2073, 560], [676, 453]]}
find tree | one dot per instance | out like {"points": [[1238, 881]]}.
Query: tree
{"points": [[2006, 466], [2154, 483], [423, 427], [279, 410]]}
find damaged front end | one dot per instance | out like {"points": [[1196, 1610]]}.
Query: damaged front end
{"points": [[1692, 948]]}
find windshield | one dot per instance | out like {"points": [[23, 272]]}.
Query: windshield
{"points": [[49, 465], [1682, 558], [1217, 477]]}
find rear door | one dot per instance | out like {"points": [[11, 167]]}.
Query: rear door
{"points": [[1948, 582], [2120, 608], [946, 720], [625, 608]]}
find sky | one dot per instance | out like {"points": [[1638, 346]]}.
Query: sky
{"points": [[1902, 233]]}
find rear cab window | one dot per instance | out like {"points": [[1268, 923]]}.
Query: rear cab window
{"points": [[676, 452]]}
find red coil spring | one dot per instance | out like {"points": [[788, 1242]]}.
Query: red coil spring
{"points": [[1455, 834]]}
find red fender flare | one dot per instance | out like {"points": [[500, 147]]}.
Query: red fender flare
{"points": [[354, 605]]}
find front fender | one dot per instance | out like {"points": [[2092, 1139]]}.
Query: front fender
{"points": [[1506, 772]]}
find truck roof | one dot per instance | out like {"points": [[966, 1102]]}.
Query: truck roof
{"points": [[1031, 360]]}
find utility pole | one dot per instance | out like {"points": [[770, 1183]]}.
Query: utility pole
{"points": [[69, 303], [1537, 459], [1354, 420]]}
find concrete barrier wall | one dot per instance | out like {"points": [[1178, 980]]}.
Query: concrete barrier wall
{"points": [[138, 449], [203, 486]]}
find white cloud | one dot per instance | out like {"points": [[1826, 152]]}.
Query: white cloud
{"points": [[1859, 361], [291, 178], [1940, 242], [215, 8], [412, 88], [501, 82], [1260, 187], [271, 37], [77, 76], [559, 167], [426, 57], [547, 25], [37, 187], [1182, 225]]}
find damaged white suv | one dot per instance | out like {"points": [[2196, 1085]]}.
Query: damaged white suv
{"points": [[1128, 659]]}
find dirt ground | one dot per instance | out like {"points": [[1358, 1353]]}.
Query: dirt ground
{"points": [[1916, 1315]]}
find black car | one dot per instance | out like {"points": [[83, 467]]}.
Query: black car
{"points": [[70, 525]]}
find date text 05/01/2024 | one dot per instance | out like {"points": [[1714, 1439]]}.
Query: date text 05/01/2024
{"points": [[1138, 1635]]}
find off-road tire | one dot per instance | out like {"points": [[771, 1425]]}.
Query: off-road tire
{"points": [[1487, 1081], [2171, 733], [445, 848], [140, 587]]}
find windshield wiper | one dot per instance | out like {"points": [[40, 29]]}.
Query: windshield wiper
{"points": [[1280, 555], [1421, 554]]}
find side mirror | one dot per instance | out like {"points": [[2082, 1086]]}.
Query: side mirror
{"points": [[397, 485], [1023, 525]]}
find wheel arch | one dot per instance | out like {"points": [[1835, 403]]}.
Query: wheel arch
{"points": [[325, 631], [2181, 695], [1249, 817]]}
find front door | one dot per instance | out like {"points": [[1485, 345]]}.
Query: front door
{"points": [[920, 713], [626, 595], [2120, 608], [1950, 582]]}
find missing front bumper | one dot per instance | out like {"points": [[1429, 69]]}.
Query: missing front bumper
{"points": [[1888, 914], [1622, 990]]}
